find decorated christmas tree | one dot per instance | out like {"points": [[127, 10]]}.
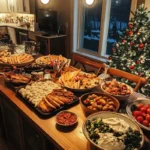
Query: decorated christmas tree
{"points": [[132, 51]]}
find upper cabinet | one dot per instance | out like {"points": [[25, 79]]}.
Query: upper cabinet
{"points": [[4, 6], [18, 6]]}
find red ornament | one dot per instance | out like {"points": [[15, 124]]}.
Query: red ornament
{"points": [[137, 62], [139, 74], [113, 49], [131, 44], [130, 33], [131, 67], [130, 25], [141, 45], [123, 41], [110, 57]]}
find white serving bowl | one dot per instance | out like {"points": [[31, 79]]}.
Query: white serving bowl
{"points": [[129, 110], [106, 114]]}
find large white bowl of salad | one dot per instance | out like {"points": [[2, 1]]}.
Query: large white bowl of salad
{"points": [[113, 131]]}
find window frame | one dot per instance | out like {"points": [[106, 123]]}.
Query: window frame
{"points": [[78, 26]]}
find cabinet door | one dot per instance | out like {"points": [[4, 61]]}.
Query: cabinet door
{"points": [[4, 6], [26, 6], [12, 34], [33, 140], [12, 123]]}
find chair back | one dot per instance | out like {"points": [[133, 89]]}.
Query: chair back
{"points": [[84, 61]]}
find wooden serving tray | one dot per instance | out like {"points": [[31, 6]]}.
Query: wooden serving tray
{"points": [[42, 114]]}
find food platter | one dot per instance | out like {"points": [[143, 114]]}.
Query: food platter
{"points": [[46, 97], [117, 89], [52, 59], [15, 81], [45, 115], [81, 90], [18, 60], [78, 81], [112, 120], [33, 67]]}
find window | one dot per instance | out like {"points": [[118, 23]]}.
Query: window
{"points": [[91, 28], [97, 27], [118, 22]]}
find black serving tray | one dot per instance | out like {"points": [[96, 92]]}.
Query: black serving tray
{"points": [[14, 87], [42, 114]]}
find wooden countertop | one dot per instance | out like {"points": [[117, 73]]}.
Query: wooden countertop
{"points": [[16, 26], [70, 139]]}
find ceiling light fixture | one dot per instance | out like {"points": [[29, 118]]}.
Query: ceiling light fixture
{"points": [[89, 2], [45, 1]]}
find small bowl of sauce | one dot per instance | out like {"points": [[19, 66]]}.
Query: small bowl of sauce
{"points": [[66, 118]]}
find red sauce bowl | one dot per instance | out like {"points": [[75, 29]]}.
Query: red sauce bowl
{"points": [[66, 118]]}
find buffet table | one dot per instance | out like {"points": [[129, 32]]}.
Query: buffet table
{"points": [[73, 138], [70, 138]]}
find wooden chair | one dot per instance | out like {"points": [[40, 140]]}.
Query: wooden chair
{"points": [[85, 62], [140, 81]]}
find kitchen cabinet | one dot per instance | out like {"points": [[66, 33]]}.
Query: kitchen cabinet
{"points": [[21, 133], [32, 138], [55, 44], [21, 36], [12, 34], [11, 120], [4, 6], [18, 6]]}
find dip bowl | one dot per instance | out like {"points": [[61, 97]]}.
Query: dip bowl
{"points": [[105, 115], [66, 118]]}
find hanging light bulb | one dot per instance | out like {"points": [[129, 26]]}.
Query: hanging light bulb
{"points": [[45, 1], [89, 2]]}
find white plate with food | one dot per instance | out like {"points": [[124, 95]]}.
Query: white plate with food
{"points": [[112, 131], [79, 81]]}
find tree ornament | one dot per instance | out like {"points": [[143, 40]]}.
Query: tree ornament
{"points": [[130, 33], [141, 45], [110, 57], [130, 25], [123, 41], [131, 67], [138, 33], [139, 74], [142, 61], [132, 43], [113, 49], [137, 62], [117, 45]]}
